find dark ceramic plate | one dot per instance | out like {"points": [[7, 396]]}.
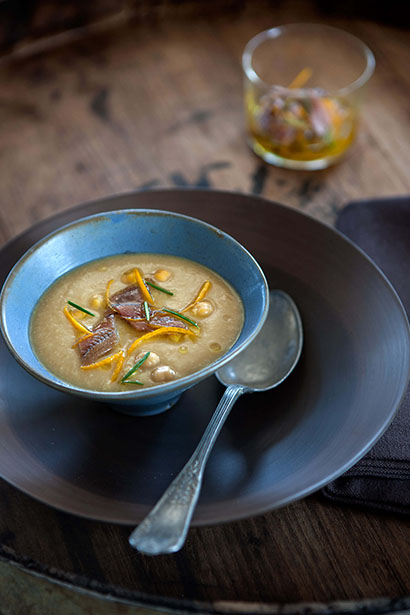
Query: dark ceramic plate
{"points": [[276, 447]]}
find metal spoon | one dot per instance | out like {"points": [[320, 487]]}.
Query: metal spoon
{"points": [[264, 364]]}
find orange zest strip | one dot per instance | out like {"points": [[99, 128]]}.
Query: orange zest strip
{"points": [[142, 286], [80, 339], [301, 79], [77, 325], [105, 361], [202, 292], [107, 293], [118, 367], [161, 331]]}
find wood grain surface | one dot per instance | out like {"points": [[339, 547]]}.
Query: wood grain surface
{"points": [[156, 105]]}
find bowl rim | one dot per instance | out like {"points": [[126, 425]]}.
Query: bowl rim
{"points": [[275, 32], [135, 394]]}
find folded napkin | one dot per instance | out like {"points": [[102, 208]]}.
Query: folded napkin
{"points": [[382, 478]]}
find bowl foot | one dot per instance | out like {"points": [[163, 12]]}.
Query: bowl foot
{"points": [[146, 409]]}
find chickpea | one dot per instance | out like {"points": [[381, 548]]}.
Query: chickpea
{"points": [[162, 275], [128, 277], [202, 309], [164, 373], [152, 360], [215, 347], [96, 302]]}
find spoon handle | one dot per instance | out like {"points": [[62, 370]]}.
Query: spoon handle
{"points": [[165, 528]]}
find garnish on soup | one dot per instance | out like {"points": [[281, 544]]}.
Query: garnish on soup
{"points": [[139, 332]]}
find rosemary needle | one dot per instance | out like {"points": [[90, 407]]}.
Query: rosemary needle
{"points": [[146, 310], [136, 366], [78, 307], [191, 322], [163, 290]]}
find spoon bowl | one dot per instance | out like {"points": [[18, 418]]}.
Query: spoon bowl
{"points": [[264, 364], [273, 354]]}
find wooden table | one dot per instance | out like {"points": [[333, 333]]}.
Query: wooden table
{"points": [[153, 105]]}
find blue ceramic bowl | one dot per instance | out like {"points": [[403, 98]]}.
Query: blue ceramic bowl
{"points": [[116, 232]]}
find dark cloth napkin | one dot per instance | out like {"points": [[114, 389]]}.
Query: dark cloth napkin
{"points": [[382, 478]]}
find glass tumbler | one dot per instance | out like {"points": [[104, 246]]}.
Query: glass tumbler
{"points": [[302, 91]]}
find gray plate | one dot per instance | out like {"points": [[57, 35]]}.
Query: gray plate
{"points": [[277, 446]]}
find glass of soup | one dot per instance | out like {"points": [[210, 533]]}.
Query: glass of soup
{"points": [[303, 85]]}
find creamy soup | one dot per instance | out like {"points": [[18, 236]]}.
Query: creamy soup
{"points": [[133, 321]]}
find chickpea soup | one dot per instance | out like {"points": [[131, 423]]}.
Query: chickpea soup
{"points": [[134, 320]]}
